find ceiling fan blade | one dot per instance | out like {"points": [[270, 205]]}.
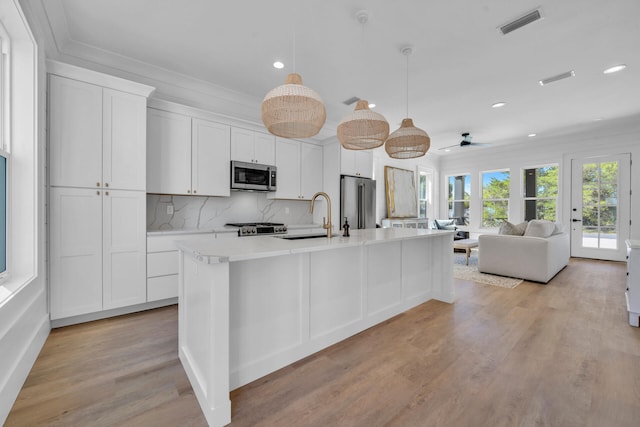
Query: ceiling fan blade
{"points": [[449, 147], [481, 144]]}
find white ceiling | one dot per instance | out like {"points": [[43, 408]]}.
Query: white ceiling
{"points": [[460, 66]]}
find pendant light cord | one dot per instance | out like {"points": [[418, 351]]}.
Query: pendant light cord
{"points": [[407, 55]]}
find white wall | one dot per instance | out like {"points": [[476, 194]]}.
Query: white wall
{"points": [[619, 136], [24, 318]]}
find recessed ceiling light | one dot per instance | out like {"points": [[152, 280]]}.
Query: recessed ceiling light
{"points": [[531, 135], [447, 150], [615, 69], [279, 65], [372, 105], [499, 104]]}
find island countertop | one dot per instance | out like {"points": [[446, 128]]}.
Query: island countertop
{"points": [[212, 251]]}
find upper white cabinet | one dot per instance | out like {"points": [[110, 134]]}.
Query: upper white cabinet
{"points": [[187, 155], [96, 136], [299, 169], [252, 147], [356, 163]]}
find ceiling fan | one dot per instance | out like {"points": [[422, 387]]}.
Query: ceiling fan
{"points": [[466, 141]]}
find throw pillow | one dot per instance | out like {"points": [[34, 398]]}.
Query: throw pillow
{"points": [[445, 224], [539, 228], [558, 229], [512, 229]]}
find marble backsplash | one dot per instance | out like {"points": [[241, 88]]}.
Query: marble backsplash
{"points": [[197, 212]]}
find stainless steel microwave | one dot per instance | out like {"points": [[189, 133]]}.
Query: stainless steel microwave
{"points": [[253, 176]]}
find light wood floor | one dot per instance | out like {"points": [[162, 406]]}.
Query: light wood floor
{"points": [[556, 355]]}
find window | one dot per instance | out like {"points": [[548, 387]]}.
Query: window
{"points": [[424, 192], [459, 196], [540, 193], [495, 198]]}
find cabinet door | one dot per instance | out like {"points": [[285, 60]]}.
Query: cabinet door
{"points": [[75, 133], [75, 225], [364, 163], [124, 141], [168, 152], [347, 162], [124, 248], [242, 143], [288, 163], [210, 157], [265, 148], [311, 167]]}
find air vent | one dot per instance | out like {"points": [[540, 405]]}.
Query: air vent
{"points": [[556, 78], [526, 19], [351, 100]]}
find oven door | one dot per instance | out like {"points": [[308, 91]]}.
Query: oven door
{"points": [[251, 176]]}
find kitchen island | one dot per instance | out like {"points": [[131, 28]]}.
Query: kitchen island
{"points": [[249, 306]]}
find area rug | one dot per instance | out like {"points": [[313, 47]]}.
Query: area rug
{"points": [[471, 273]]}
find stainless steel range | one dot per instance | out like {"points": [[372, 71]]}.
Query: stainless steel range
{"points": [[259, 228]]}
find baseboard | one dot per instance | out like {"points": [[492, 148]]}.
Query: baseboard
{"points": [[11, 388], [58, 323]]}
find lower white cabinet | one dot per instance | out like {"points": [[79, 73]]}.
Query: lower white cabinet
{"points": [[405, 223], [97, 250], [162, 262]]}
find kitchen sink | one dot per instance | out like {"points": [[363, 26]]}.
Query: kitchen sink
{"points": [[302, 236]]}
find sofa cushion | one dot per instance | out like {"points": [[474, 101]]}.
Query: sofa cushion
{"points": [[512, 229], [540, 228], [558, 228], [445, 224]]}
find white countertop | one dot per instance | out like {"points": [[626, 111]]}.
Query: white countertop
{"points": [[213, 251]]}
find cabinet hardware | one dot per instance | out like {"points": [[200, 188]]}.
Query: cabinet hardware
{"points": [[97, 184], [106, 193], [194, 191], [106, 184], [97, 193], [188, 191]]}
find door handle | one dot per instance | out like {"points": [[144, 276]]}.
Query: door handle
{"points": [[576, 220]]}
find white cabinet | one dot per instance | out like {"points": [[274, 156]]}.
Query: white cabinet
{"points": [[252, 147], [97, 250], [356, 163], [187, 156], [633, 282], [406, 223], [162, 262], [168, 152], [97, 136], [299, 169], [97, 176], [210, 158]]}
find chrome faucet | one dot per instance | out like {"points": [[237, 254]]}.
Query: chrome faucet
{"points": [[325, 224]]}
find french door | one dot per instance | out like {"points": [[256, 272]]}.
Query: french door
{"points": [[600, 206]]}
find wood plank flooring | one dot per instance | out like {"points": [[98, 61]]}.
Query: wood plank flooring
{"points": [[560, 354]]}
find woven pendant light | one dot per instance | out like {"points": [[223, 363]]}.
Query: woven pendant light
{"points": [[408, 141], [363, 129], [293, 110]]}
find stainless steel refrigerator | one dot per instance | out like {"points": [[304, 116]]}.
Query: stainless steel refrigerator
{"points": [[358, 202]]}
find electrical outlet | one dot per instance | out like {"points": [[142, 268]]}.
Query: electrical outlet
{"points": [[169, 209], [286, 210]]}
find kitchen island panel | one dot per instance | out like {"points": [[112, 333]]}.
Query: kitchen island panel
{"points": [[384, 276], [335, 292], [265, 308]]}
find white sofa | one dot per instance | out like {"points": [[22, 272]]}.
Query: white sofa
{"points": [[536, 259]]}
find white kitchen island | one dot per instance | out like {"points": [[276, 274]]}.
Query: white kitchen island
{"points": [[249, 306]]}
